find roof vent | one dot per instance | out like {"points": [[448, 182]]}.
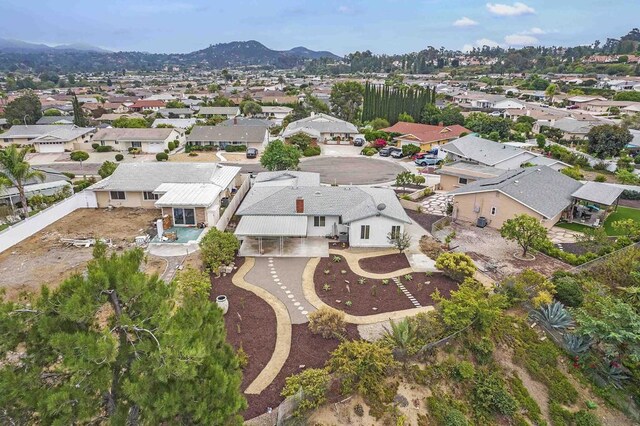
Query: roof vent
{"points": [[381, 206], [318, 193]]}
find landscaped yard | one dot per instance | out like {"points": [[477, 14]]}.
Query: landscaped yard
{"points": [[621, 213]]}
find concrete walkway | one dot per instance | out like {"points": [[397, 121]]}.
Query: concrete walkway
{"points": [[437, 204], [419, 261], [283, 330], [282, 277], [559, 235], [311, 296]]}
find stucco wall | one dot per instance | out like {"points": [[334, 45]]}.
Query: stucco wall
{"points": [[449, 183], [321, 231], [133, 199], [380, 227], [506, 208]]}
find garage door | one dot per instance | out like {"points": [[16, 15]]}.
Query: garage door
{"points": [[155, 147], [51, 147]]}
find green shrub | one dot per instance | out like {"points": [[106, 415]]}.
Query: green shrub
{"points": [[464, 370], [369, 151], [311, 151], [601, 178], [79, 156], [104, 148], [586, 418], [456, 265], [313, 383], [119, 157], [327, 322], [482, 349], [559, 416], [218, 248], [69, 175], [490, 395], [573, 172], [166, 151], [444, 411], [526, 402], [568, 291], [235, 148], [162, 156], [95, 145], [171, 146]]}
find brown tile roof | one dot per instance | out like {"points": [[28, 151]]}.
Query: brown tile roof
{"points": [[425, 132]]}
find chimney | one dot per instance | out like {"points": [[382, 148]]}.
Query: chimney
{"points": [[441, 124], [299, 205]]}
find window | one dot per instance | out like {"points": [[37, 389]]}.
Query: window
{"points": [[364, 232], [462, 181], [395, 231], [184, 216], [148, 195], [318, 221], [339, 220], [117, 195], [493, 211], [136, 144]]}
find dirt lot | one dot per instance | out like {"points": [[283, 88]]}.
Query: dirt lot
{"points": [[202, 157], [486, 246], [43, 259]]}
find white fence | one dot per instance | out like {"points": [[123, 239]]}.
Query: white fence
{"points": [[22, 230], [233, 205]]}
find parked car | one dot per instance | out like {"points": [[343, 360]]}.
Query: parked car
{"points": [[397, 153], [428, 161], [429, 154], [358, 142], [252, 152], [389, 150]]}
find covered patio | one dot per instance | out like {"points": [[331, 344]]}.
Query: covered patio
{"points": [[279, 236], [593, 202]]}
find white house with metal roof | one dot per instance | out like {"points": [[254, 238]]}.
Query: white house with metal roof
{"points": [[188, 194], [290, 214]]}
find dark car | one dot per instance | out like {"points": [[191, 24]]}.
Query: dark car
{"points": [[358, 142], [385, 152], [252, 152]]}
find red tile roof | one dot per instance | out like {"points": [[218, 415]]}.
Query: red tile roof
{"points": [[427, 133]]}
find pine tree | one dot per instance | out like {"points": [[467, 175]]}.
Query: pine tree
{"points": [[79, 118]]}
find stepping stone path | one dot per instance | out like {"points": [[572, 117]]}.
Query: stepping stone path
{"points": [[406, 293], [288, 298], [436, 204]]}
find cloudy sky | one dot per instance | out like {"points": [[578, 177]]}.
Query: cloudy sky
{"points": [[342, 26]]}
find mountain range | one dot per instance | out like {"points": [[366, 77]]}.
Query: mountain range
{"points": [[84, 57]]}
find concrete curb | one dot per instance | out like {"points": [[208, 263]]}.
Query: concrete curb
{"points": [[308, 288], [352, 260], [283, 330]]}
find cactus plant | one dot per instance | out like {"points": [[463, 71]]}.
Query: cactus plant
{"points": [[553, 316]]}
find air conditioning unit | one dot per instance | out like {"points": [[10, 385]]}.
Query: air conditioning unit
{"points": [[481, 222]]}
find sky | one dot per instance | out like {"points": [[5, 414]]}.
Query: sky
{"points": [[340, 26]]}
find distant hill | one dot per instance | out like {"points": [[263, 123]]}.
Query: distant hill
{"points": [[10, 45], [16, 54]]}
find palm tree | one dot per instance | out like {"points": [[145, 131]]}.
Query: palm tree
{"points": [[16, 171]]}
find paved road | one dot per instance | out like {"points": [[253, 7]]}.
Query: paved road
{"points": [[352, 170]]}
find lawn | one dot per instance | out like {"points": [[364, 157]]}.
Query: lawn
{"points": [[621, 213]]}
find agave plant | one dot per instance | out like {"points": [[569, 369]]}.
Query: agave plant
{"points": [[575, 344], [615, 375], [402, 335], [554, 316]]}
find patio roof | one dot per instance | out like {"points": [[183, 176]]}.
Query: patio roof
{"points": [[272, 226], [600, 193], [187, 194]]}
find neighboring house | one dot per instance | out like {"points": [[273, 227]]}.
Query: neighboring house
{"points": [[147, 140], [178, 123], [323, 128], [47, 137], [109, 118], [53, 182], [176, 112], [602, 107], [288, 206], [188, 193], [426, 136], [460, 173], [478, 100], [486, 152], [274, 113], [55, 119], [509, 104], [570, 127], [580, 101], [146, 105], [228, 112], [540, 192], [221, 136], [244, 121]]}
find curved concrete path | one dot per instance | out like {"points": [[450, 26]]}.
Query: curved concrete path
{"points": [[283, 330], [311, 296], [352, 260]]}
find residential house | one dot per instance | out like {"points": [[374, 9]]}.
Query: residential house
{"points": [[176, 112], [459, 173], [54, 182], [571, 128], [323, 128], [146, 105], [178, 123], [489, 153], [582, 100], [274, 113], [228, 112], [426, 136], [603, 107], [221, 136], [47, 137], [55, 119], [147, 140], [109, 118], [245, 121], [540, 192], [284, 209], [187, 193]]}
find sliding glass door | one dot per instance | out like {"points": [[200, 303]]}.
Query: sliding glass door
{"points": [[182, 216]]}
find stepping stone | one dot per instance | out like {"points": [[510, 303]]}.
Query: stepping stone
{"points": [[304, 312], [300, 308], [276, 280], [284, 287], [287, 291], [290, 296], [296, 304]]}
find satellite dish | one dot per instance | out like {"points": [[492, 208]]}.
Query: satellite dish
{"points": [[382, 206]]}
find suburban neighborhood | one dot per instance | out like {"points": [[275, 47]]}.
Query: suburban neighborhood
{"points": [[244, 235]]}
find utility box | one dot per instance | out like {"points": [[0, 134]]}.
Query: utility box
{"points": [[482, 222]]}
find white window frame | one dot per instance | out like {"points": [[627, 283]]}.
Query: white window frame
{"points": [[124, 195], [365, 232], [319, 221], [150, 196], [395, 231], [494, 210]]}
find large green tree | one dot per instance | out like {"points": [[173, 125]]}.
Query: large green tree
{"points": [[608, 140], [525, 230], [280, 156], [79, 119], [250, 108], [118, 346], [16, 171], [25, 109], [346, 100], [486, 124]]}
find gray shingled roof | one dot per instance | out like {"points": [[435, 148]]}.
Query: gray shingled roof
{"points": [[482, 150], [121, 134], [600, 193], [63, 132], [238, 133], [542, 189], [148, 176], [321, 123], [218, 111], [571, 125]]}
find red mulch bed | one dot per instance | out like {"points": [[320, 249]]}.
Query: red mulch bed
{"points": [[422, 291], [307, 350], [384, 264], [388, 298], [635, 204], [423, 219], [255, 332]]}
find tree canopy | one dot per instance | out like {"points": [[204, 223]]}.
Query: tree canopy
{"points": [[280, 156], [608, 140], [24, 109], [118, 346], [346, 100], [526, 230]]}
